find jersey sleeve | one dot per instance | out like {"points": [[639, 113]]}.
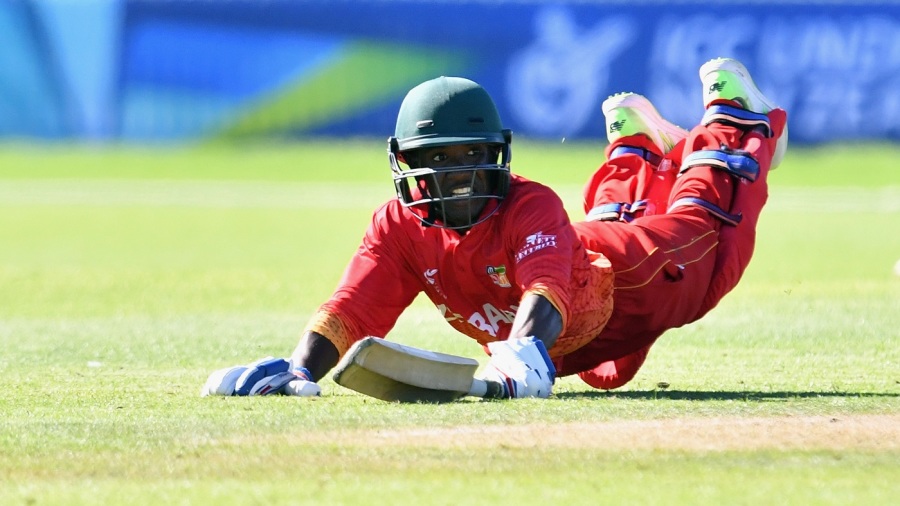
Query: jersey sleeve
{"points": [[377, 285], [543, 242]]}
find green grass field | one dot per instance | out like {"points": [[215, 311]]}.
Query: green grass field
{"points": [[128, 275]]}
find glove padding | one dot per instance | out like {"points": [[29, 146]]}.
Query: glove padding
{"points": [[222, 382], [264, 377], [522, 366]]}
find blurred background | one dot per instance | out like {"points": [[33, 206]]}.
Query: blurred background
{"points": [[164, 71]]}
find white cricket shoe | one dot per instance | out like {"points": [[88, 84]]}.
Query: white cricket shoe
{"points": [[728, 79], [629, 114]]}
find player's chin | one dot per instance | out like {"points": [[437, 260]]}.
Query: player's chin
{"points": [[462, 213]]}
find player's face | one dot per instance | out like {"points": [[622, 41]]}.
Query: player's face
{"points": [[463, 183]]}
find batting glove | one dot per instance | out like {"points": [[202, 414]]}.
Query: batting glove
{"points": [[522, 366], [263, 377]]}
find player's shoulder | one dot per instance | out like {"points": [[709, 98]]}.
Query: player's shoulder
{"points": [[393, 219], [390, 211], [522, 182], [522, 188]]}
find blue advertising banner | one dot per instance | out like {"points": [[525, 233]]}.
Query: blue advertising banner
{"points": [[200, 69]]}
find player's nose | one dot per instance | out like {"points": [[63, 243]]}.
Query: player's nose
{"points": [[457, 177]]}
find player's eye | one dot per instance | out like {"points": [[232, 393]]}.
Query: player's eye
{"points": [[477, 155], [439, 157]]}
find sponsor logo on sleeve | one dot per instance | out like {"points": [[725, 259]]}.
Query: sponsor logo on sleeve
{"points": [[535, 242]]}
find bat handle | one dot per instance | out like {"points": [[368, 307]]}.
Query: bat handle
{"points": [[486, 389]]}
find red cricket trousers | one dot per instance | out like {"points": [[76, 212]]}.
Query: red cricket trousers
{"points": [[671, 268]]}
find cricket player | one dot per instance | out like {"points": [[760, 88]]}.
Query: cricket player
{"points": [[670, 228]]}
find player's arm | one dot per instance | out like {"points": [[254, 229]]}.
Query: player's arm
{"points": [[521, 364], [316, 353], [537, 317], [373, 292], [541, 243]]}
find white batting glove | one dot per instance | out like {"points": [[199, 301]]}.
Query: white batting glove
{"points": [[266, 376], [222, 382], [522, 366]]}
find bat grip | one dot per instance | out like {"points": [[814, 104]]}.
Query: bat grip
{"points": [[486, 389]]}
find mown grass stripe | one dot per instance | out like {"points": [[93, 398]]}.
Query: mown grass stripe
{"points": [[205, 194], [302, 195]]}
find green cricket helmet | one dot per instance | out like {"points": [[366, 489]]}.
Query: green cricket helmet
{"points": [[448, 111]]}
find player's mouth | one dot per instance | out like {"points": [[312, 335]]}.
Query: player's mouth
{"points": [[462, 191]]}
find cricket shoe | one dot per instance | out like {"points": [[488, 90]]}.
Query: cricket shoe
{"points": [[726, 81], [629, 114]]}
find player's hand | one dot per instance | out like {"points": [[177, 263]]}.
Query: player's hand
{"points": [[522, 366], [263, 377]]}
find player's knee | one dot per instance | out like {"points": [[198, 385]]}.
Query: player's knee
{"points": [[604, 382], [615, 373], [610, 375]]}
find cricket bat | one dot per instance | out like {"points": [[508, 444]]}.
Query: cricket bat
{"points": [[394, 372]]}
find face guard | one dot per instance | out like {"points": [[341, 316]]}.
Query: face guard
{"points": [[419, 188], [449, 111]]}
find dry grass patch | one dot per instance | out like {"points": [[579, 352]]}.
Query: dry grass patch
{"points": [[844, 432]]}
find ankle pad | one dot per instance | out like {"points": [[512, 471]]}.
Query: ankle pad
{"points": [[736, 116], [650, 156], [736, 162]]}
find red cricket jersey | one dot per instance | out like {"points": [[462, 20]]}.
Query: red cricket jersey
{"points": [[475, 280]]}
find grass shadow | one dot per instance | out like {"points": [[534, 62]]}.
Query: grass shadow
{"points": [[693, 395]]}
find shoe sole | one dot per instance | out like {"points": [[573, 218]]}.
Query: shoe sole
{"points": [[758, 102]]}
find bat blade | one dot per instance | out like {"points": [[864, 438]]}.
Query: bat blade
{"points": [[394, 372]]}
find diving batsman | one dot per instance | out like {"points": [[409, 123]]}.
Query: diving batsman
{"points": [[670, 227]]}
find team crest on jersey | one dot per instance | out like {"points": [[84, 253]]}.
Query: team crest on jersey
{"points": [[536, 242], [498, 275]]}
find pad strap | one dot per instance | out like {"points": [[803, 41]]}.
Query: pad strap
{"points": [[648, 155], [620, 211], [718, 212], [734, 161], [303, 373], [736, 116]]}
